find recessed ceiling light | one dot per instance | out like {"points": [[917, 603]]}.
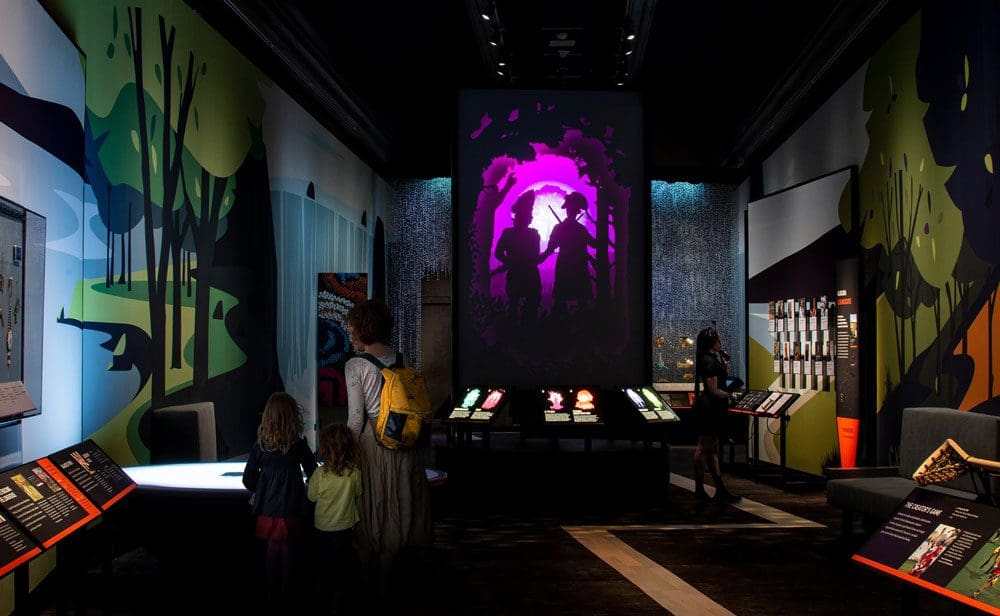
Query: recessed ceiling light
{"points": [[630, 36], [485, 17], [501, 63], [628, 52], [499, 72]]}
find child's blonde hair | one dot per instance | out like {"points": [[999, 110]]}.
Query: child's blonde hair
{"points": [[338, 449], [281, 424]]}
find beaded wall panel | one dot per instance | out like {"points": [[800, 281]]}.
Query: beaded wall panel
{"points": [[421, 252], [697, 274]]}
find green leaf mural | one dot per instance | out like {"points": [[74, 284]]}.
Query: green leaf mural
{"points": [[905, 212]]}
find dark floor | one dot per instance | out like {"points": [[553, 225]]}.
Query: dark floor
{"points": [[500, 546]]}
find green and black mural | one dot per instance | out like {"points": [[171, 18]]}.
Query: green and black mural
{"points": [[179, 298], [928, 212]]}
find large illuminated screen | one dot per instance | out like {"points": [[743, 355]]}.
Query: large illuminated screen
{"points": [[550, 239]]}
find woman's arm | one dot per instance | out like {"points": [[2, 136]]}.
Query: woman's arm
{"points": [[712, 387], [355, 397]]}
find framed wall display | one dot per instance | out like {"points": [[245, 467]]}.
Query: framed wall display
{"points": [[336, 295], [795, 242]]}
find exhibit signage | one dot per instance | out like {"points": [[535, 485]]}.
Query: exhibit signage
{"points": [[15, 548], [945, 544], [14, 400], [91, 470], [847, 358], [44, 502], [479, 404], [651, 406]]}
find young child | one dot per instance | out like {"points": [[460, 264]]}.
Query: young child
{"points": [[274, 474], [335, 489]]}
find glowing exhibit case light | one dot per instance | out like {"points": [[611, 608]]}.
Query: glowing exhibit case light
{"points": [[650, 404], [479, 403]]}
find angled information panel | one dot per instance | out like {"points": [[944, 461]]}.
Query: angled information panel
{"points": [[15, 548], [945, 544], [94, 472], [571, 405], [650, 405], [44, 502], [479, 404]]}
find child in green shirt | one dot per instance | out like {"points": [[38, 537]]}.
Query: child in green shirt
{"points": [[335, 488]]}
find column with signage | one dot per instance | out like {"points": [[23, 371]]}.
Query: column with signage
{"points": [[847, 358]]}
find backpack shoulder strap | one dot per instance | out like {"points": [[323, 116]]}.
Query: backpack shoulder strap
{"points": [[373, 360]]}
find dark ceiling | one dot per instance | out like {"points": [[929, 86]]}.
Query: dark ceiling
{"points": [[722, 82]]}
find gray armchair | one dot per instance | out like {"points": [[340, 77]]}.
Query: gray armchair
{"points": [[184, 433]]}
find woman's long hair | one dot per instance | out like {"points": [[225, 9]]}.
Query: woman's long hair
{"points": [[338, 449], [706, 340]]}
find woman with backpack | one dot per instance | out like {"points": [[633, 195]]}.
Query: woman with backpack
{"points": [[395, 502]]}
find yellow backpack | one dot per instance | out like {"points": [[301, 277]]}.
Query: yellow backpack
{"points": [[404, 407]]}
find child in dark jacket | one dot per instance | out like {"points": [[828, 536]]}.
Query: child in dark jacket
{"points": [[274, 473]]}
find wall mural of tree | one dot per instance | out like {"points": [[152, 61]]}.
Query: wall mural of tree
{"points": [[172, 147], [928, 213]]}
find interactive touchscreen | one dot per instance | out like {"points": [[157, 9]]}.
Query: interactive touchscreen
{"points": [[585, 406], [91, 470], [749, 400], [15, 547], [46, 504], [558, 405], [948, 545], [650, 404], [479, 403], [466, 403]]}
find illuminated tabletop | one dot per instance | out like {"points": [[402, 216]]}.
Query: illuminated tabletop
{"points": [[213, 476]]}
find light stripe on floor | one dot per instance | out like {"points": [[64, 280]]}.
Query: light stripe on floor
{"points": [[779, 517], [670, 591], [659, 583]]}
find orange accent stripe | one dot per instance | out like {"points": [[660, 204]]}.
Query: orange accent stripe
{"points": [[847, 433], [118, 497], [951, 594], [54, 540], [70, 487], [33, 552], [74, 493], [977, 349]]}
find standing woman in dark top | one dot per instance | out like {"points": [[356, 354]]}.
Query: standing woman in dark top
{"points": [[710, 408], [274, 473]]}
